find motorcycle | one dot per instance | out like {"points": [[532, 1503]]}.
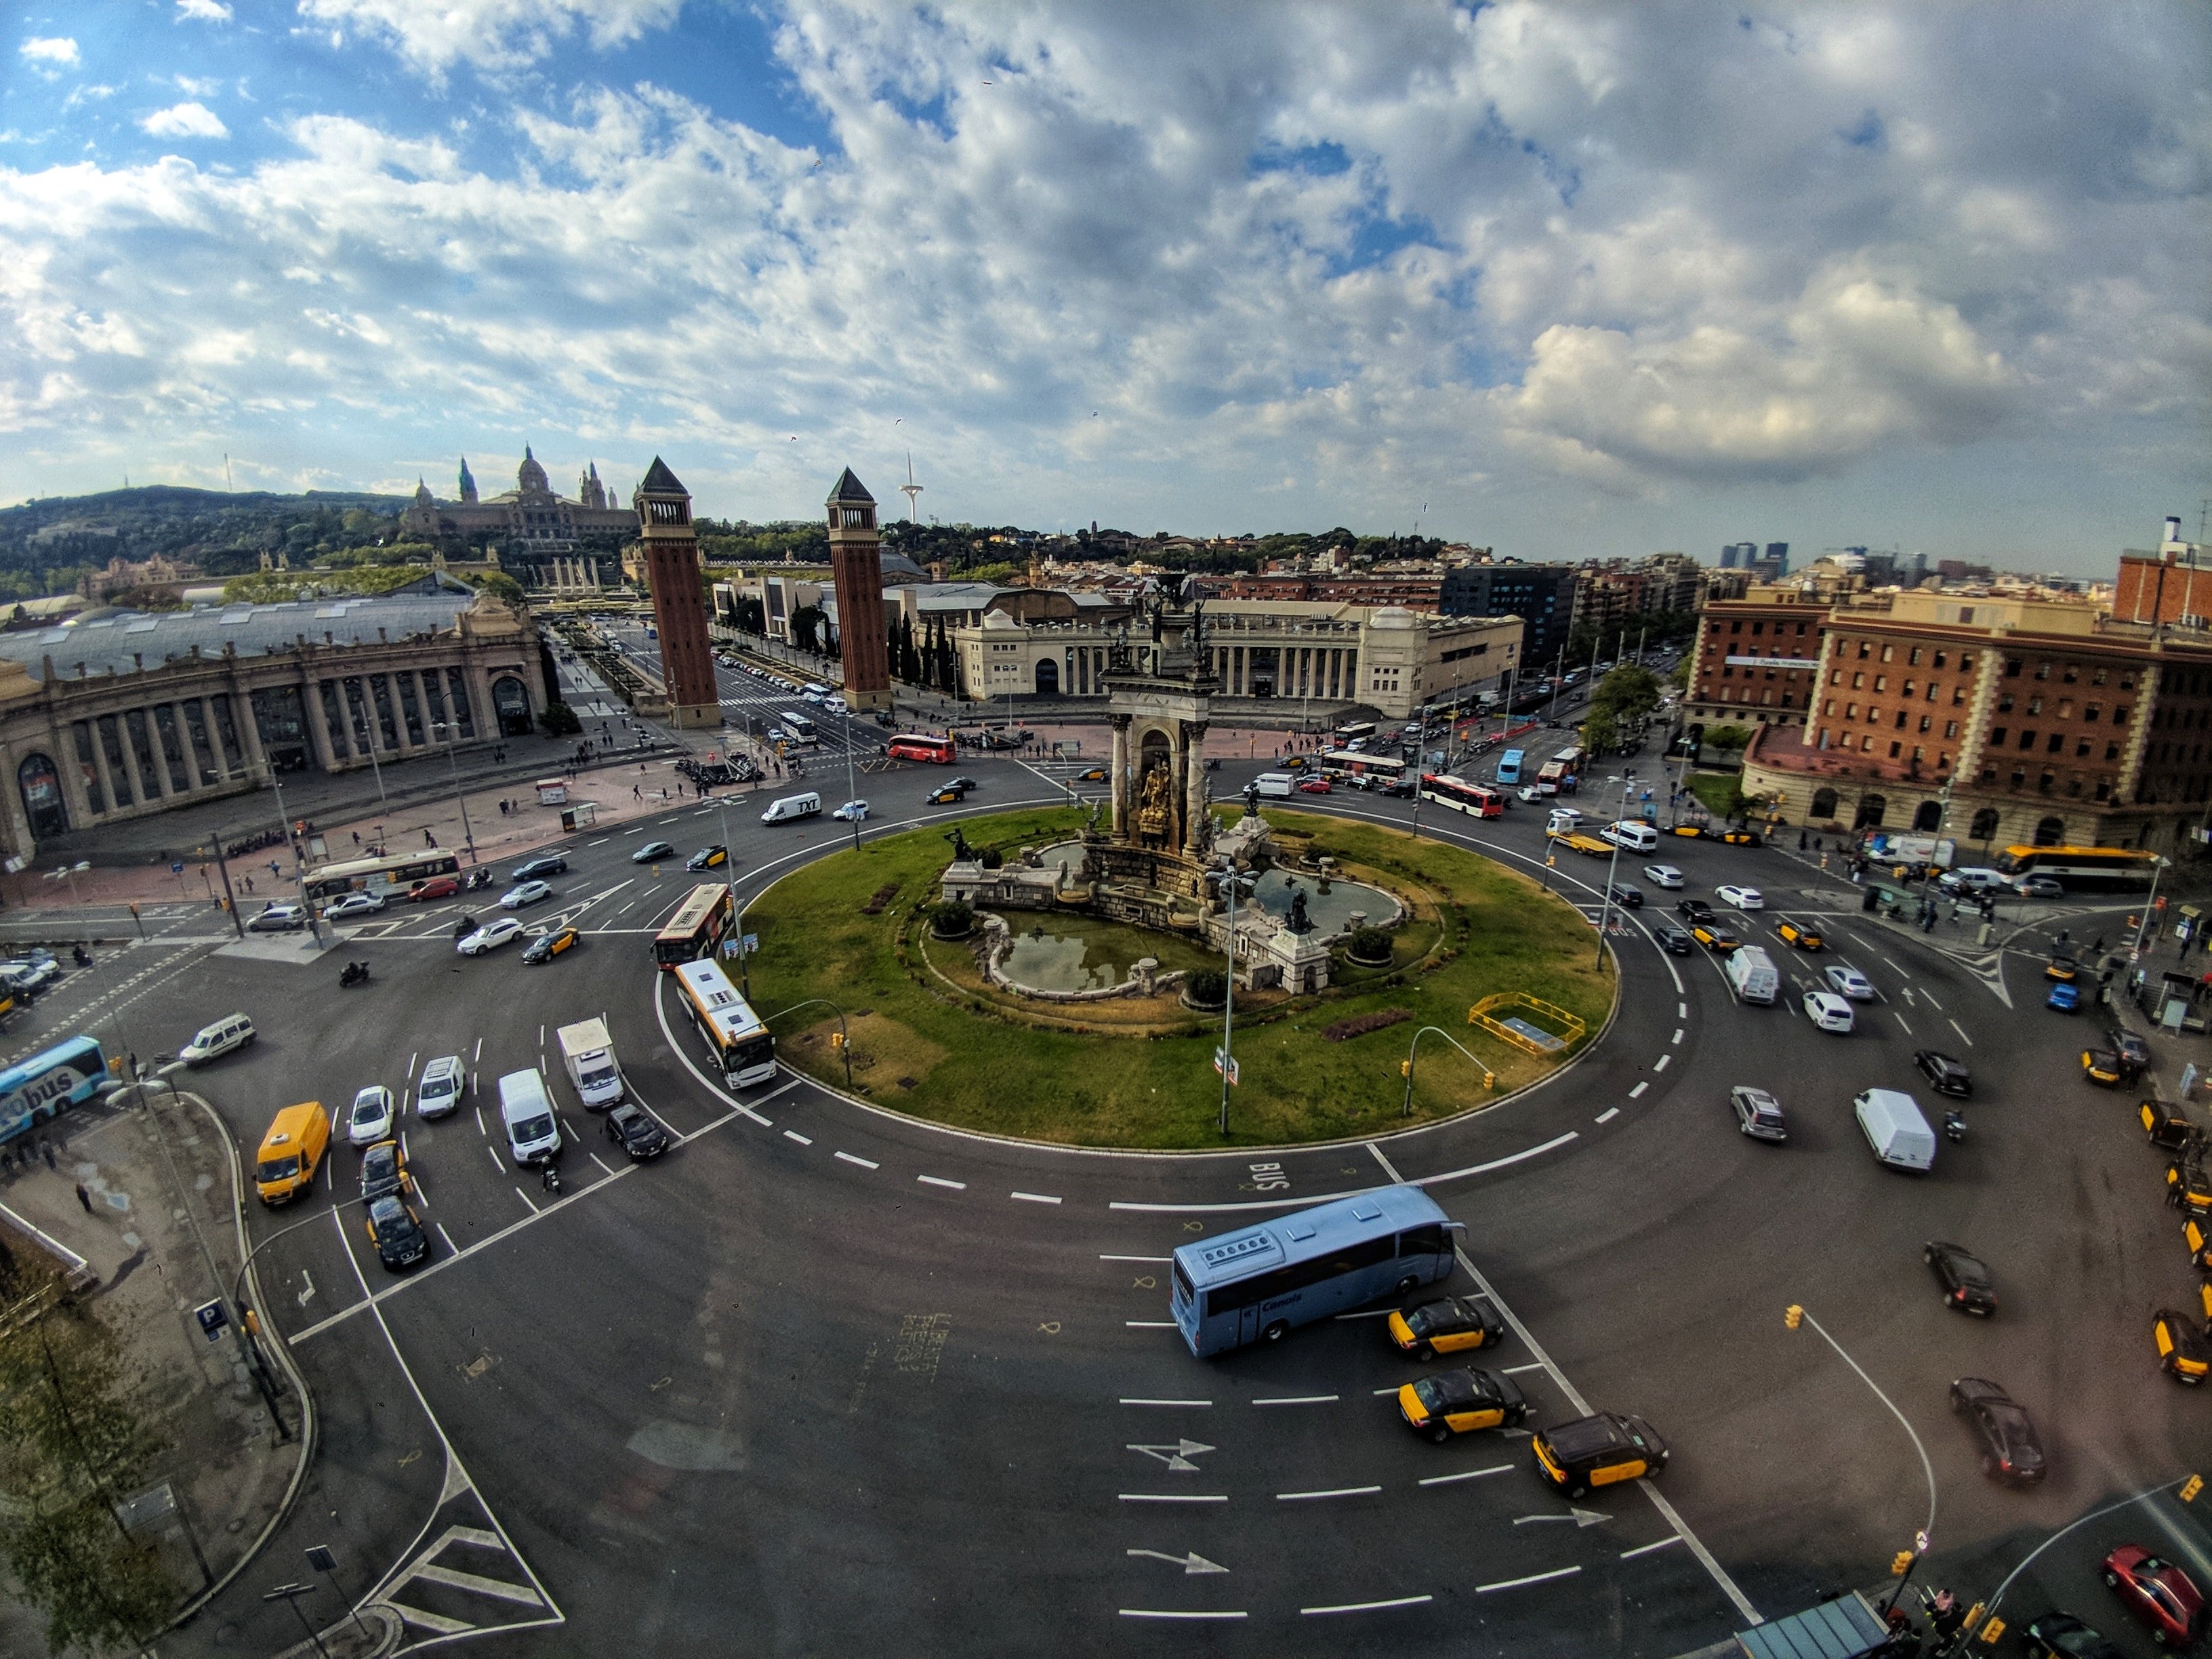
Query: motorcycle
{"points": [[354, 973], [551, 1178], [475, 879], [79, 956], [465, 926], [1954, 1126]]}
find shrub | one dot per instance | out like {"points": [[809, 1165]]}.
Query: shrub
{"points": [[952, 920], [1370, 945], [992, 858], [1205, 987], [1360, 1024], [560, 720]]}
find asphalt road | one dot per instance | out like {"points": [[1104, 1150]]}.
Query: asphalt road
{"points": [[822, 1376]]}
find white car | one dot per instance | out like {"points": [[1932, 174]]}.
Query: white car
{"points": [[1844, 978], [1744, 898], [353, 904], [370, 1121], [1662, 875], [853, 811], [1529, 791], [1829, 1011], [531, 892], [490, 937], [835, 705]]}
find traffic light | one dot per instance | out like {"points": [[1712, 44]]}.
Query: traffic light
{"points": [[2189, 1488], [1793, 1317], [1989, 1633], [1405, 1068], [1900, 1563], [837, 1039]]}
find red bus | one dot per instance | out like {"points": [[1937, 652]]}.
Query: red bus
{"points": [[1475, 799], [914, 747], [697, 929]]}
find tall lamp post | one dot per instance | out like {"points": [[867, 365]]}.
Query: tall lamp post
{"points": [[453, 771], [738, 911], [1627, 782], [299, 861], [2158, 869], [1231, 884], [368, 741]]}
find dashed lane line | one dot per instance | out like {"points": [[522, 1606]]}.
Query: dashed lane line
{"points": [[1162, 1612], [794, 1134], [1961, 1031], [1368, 1606], [864, 1162], [1172, 1498], [1299, 1399], [1608, 1114], [1550, 1145], [1660, 1064], [1646, 1549], [525, 1197], [1466, 1474], [1149, 1324], [939, 1180], [1637, 1093], [1035, 1198], [1517, 1370], [1677, 1037], [1123, 1258], [1335, 1492], [1533, 1578], [1162, 1402], [1901, 1020]]}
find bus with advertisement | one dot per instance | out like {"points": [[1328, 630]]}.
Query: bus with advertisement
{"points": [[697, 929], [39, 1089], [918, 746], [1477, 800], [740, 1043], [386, 876]]}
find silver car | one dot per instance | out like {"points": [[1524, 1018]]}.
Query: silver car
{"points": [[1757, 1114]]}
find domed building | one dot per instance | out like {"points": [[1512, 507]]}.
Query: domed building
{"points": [[536, 532]]}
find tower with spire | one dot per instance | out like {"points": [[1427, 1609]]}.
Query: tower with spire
{"points": [[856, 567], [468, 484], [590, 492], [679, 597]]}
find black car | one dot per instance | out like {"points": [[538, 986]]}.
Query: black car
{"points": [[2011, 1450], [1628, 895], [1963, 1275], [2135, 1054], [1694, 910], [636, 1133], [653, 850], [1945, 1075], [398, 1236], [963, 783], [539, 869], [2061, 1636]]}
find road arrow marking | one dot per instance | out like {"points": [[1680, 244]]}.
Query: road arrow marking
{"points": [[305, 1295], [1581, 1518], [1191, 1563], [1177, 1456]]}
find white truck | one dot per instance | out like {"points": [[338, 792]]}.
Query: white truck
{"points": [[1895, 1130], [589, 1053], [1751, 975]]}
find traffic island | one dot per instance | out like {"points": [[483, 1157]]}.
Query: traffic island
{"points": [[937, 1031]]}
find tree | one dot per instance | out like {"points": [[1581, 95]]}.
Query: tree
{"points": [[560, 720], [1729, 739], [1601, 734], [1630, 692], [806, 627]]}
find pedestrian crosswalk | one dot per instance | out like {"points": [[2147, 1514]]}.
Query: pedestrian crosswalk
{"points": [[465, 1578]]}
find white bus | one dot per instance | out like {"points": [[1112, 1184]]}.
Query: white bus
{"points": [[800, 727], [740, 1043]]}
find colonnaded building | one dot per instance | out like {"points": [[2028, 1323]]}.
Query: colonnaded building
{"points": [[126, 714]]}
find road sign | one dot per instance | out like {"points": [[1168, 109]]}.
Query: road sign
{"points": [[176, 867], [1231, 1066], [213, 1317], [752, 944]]}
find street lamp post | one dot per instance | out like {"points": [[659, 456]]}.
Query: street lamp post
{"points": [[368, 739], [453, 771], [844, 1043], [2158, 868], [299, 861], [1413, 1052], [1229, 882], [1604, 912], [738, 911]]}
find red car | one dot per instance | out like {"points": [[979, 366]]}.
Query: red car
{"points": [[1315, 787], [2157, 1592], [437, 887]]}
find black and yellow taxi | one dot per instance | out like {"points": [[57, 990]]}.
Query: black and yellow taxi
{"points": [[1805, 935], [1462, 1402], [1598, 1450], [2102, 1067], [2167, 1129], [1451, 1325], [2183, 1353], [1691, 831], [708, 858], [2188, 1186], [397, 1232], [2197, 1233], [2061, 967], [944, 795], [384, 1171], [1092, 774], [559, 941], [1741, 837], [1716, 938]]}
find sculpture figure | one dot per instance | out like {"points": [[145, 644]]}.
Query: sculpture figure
{"points": [[962, 852], [1299, 921]]}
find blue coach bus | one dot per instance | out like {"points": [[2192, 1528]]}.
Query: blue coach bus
{"points": [[40, 1087], [1255, 1284], [1508, 766]]}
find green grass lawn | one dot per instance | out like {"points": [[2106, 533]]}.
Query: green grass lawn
{"points": [[1720, 792], [945, 1052]]}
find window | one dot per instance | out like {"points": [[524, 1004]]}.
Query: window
{"points": [[2050, 832], [2097, 678], [2073, 672], [1984, 826], [1865, 650], [1881, 682], [1939, 658], [2012, 668], [1888, 653], [1857, 680], [1835, 677], [2027, 738], [2057, 742], [1915, 658], [2120, 715], [2089, 711], [1425, 1240], [2035, 705], [1927, 723], [1829, 707], [1824, 804], [1908, 687], [2042, 669], [1966, 614], [1851, 711], [2019, 777], [1998, 737], [2081, 748], [1895, 749], [2004, 702], [1735, 628], [1901, 718]]}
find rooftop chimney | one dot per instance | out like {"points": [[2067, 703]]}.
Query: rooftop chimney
{"points": [[2172, 528]]}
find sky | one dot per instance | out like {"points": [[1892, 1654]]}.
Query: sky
{"points": [[1567, 281]]}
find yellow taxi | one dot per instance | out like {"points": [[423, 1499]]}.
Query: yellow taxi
{"points": [[1742, 837], [2101, 1067], [1716, 938], [1462, 1402], [546, 947], [1450, 1326], [1600, 1450], [2197, 1233], [2061, 967], [1802, 934], [2183, 1353], [2167, 1128], [943, 796], [2188, 1187]]}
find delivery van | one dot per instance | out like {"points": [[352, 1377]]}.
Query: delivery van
{"points": [[791, 807], [1273, 783], [1751, 975], [1636, 837], [232, 1031], [291, 1152], [533, 1134], [1894, 1128]]}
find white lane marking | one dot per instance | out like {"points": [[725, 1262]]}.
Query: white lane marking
{"points": [[1298, 1399], [447, 1236], [794, 1134], [1533, 1578], [409, 1075], [420, 1191], [1162, 1402], [1339, 1492], [1899, 1019], [1119, 1258], [773, 1093], [1466, 1474], [1149, 1324], [1931, 995], [1517, 1370], [1162, 1613], [479, 1055], [1371, 1313], [1172, 1498], [480, 1122], [738, 1109], [1681, 1010], [1677, 1037], [939, 1180], [496, 1163], [1660, 1064], [1900, 972], [1550, 1145], [601, 841], [864, 1162], [1637, 1091], [1646, 1549], [602, 1163], [1035, 1198], [1369, 1606], [525, 1197], [1608, 1114], [1961, 1031]]}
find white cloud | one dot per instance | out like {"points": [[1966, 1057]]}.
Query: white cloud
{"points": [[198, 86], [186, 120], [49, 55], [202, 11], [491, 34]]}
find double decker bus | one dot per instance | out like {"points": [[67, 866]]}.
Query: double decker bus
{"points": [[1475, 799], [915, 746], [387, 878], [801, 728], [2082, 869], [1508, 765], [39, 1089], [697, 929], [739, 1043], [1258, 1282], [1348, 764]]}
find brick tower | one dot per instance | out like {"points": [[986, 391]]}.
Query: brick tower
{"points": [[679, 603], [863, 639]]}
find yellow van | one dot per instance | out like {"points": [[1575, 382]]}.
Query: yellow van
{"points": [[292, 1152]]}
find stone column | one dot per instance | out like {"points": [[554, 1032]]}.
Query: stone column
{"points": [[1121, 777], [153, 780], [1193, 744], [249, 729], [1179, 771], [311, 711], [99, 764], [62, 736]]}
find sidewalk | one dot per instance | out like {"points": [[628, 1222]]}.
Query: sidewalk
{"points": [[161, 1238]]}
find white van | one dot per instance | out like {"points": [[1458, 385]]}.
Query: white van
{"points": [[1894, 1128], [533, 1134], [793, 806], [439, 1091], [1273, 783], [231, 1032], [1563, 821], [1635, 836], [1751, 975]]}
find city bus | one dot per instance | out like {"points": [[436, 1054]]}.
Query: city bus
{"points": [[1508, 766], [37, 1090], [741, 1045], [801, 728], [1353, 730], [1475, 799], [1345, 763], [1570, 759], [387, 878], [915, 746], [2082, 869], [697, 929], [1256, 1283]]}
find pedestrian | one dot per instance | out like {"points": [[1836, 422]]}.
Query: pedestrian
{"points": [[637, 793], [46, 1150], [429, 840], [502, 809], [84, 1198], [249, 884], [1801, 841], [356, 837]]}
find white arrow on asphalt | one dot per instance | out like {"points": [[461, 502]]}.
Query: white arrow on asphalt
{"points": [[1190, 1564], [1176, 1457], [1581, 1518]]}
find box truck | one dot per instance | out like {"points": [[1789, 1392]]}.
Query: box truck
{"points": [[589, 1053]]}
